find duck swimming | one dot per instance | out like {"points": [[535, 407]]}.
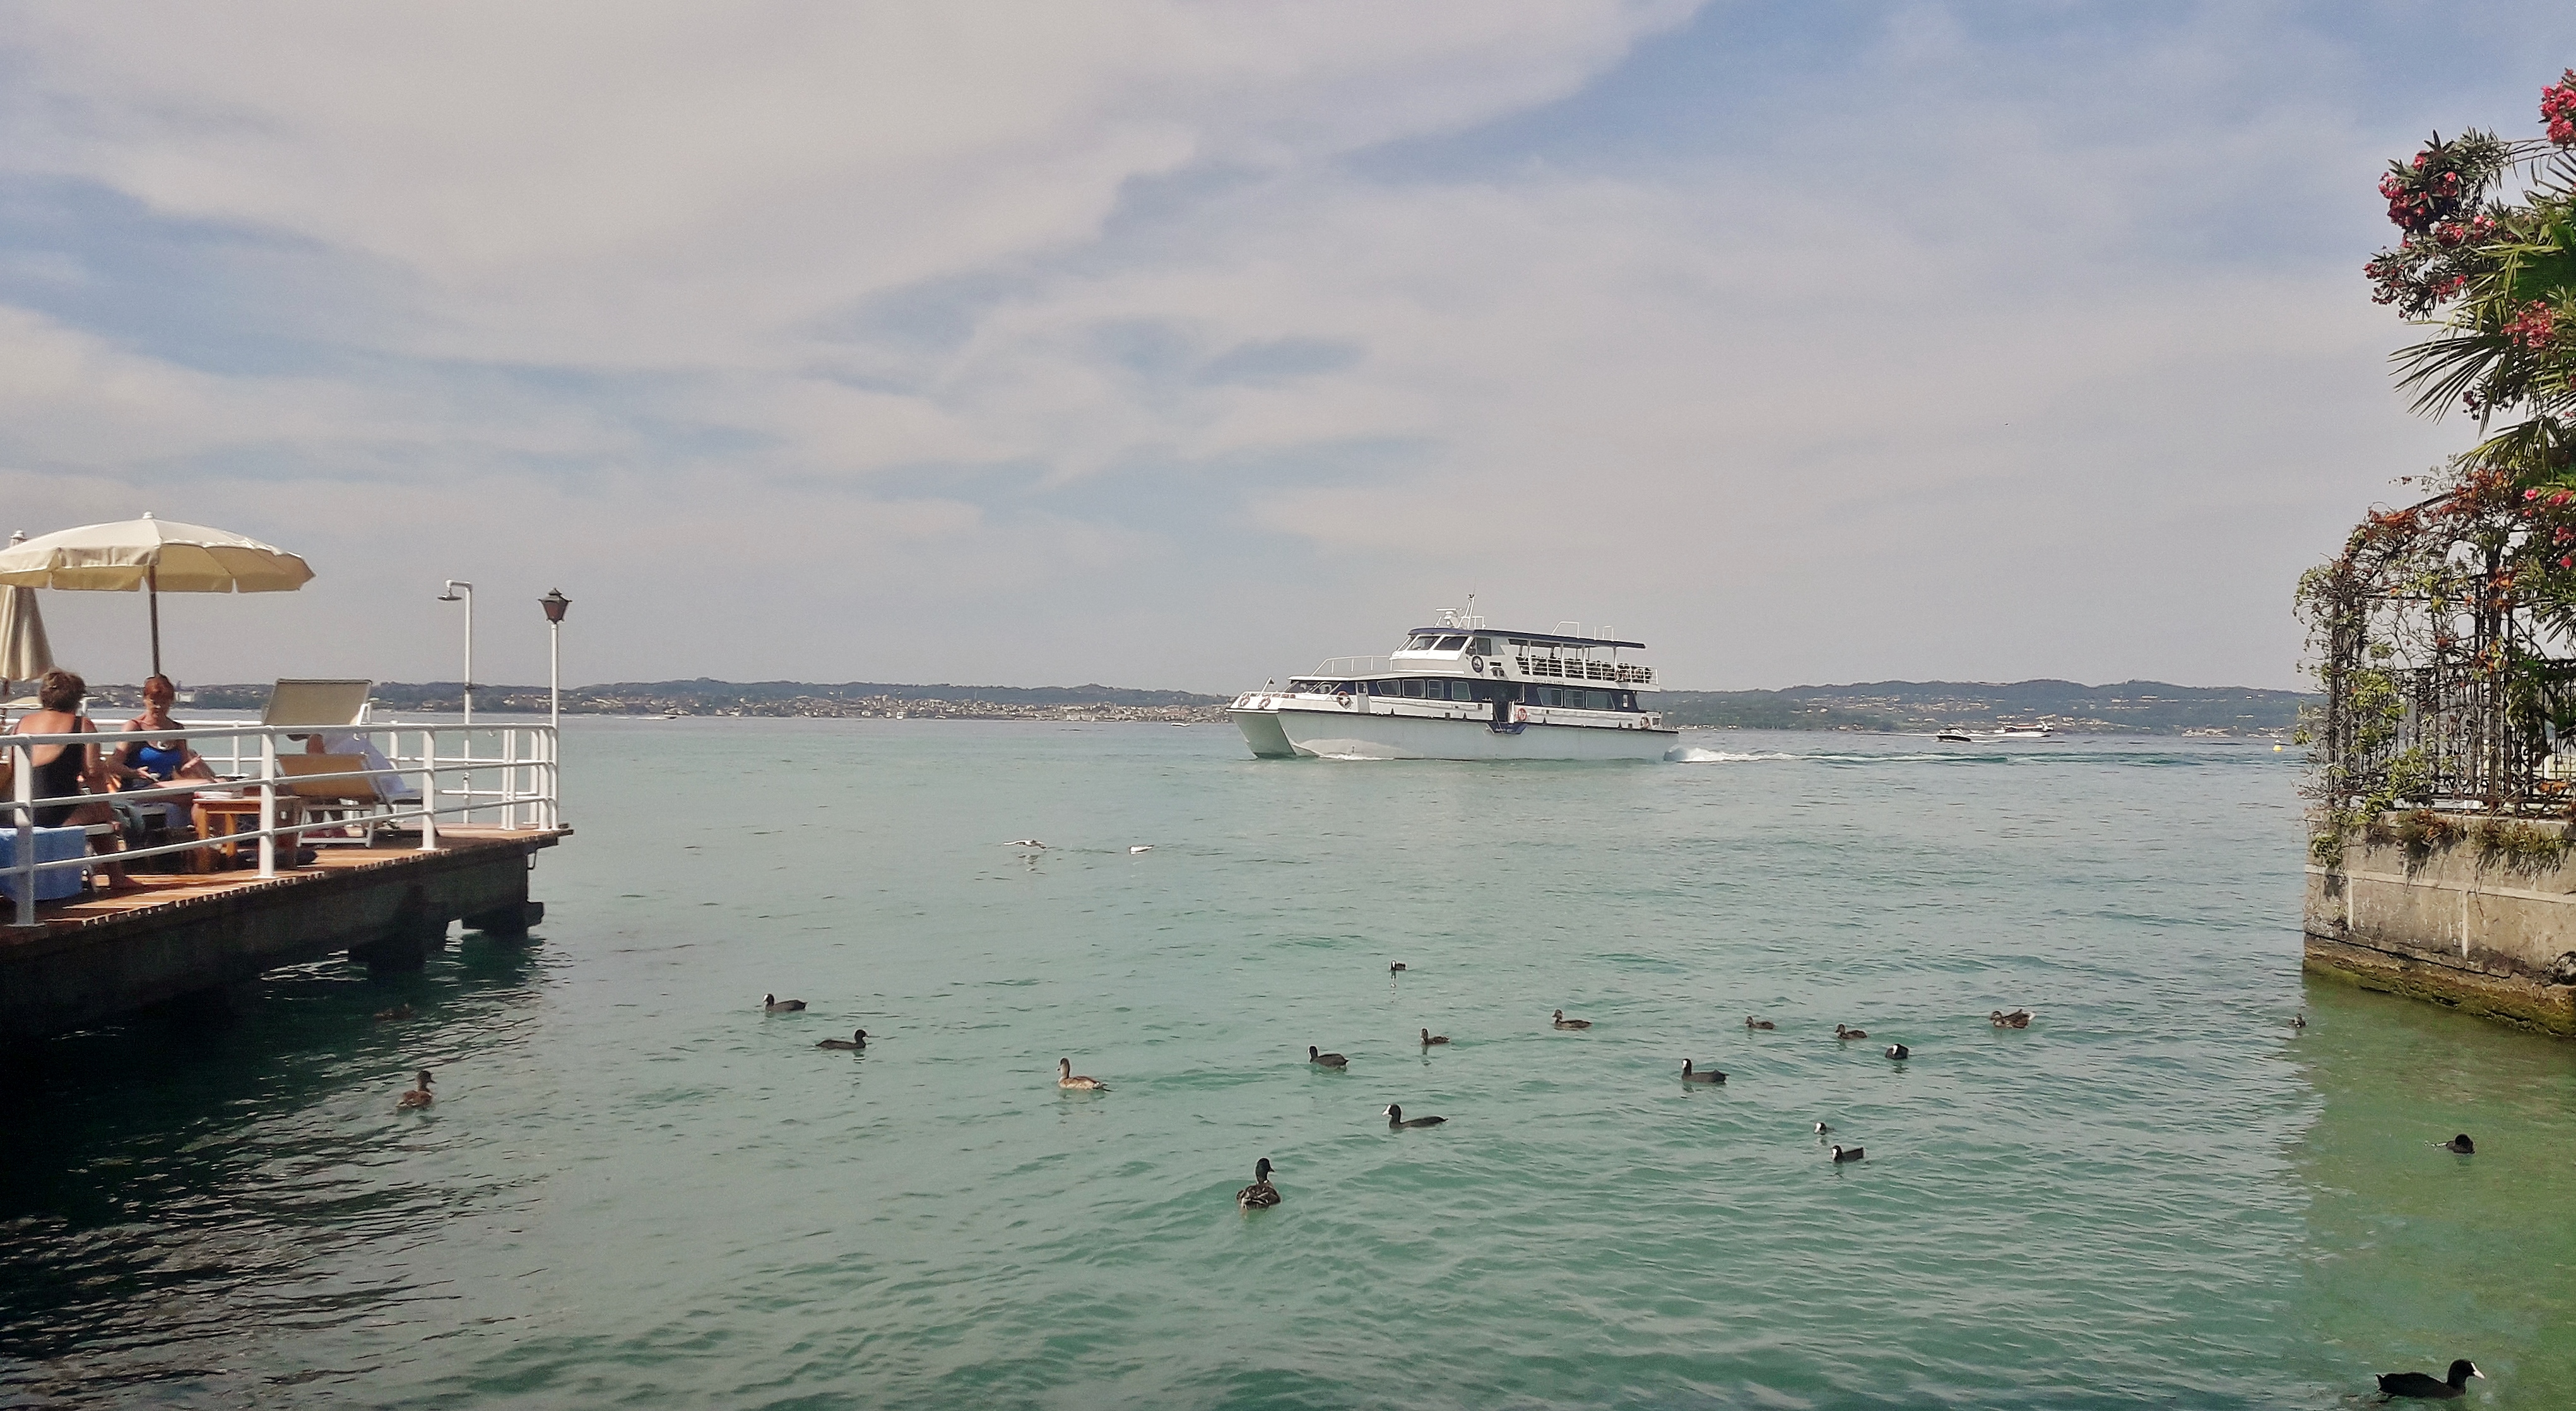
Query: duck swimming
{"points": [[1899, 1052], [1564, 1023], [1842, 1154], [1325, 1060], [2460, 1144], [1429, 1038], [2018, 1019], [2298, 1021], [1395, 1118], [1821, 1129], [854, 1041], [1752, 1023], [1260, 1195], [2424, 1388], [1703, 1075], [1065, 1077], [417, 1095], [1394, 967], [775, 1005], [1842, 1033]]}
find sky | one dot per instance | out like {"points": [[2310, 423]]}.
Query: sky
{"points": [[1183, 345]]}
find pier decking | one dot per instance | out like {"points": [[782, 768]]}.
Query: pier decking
{"points": [[94, 959]]}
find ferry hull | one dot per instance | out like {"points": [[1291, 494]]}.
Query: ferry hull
{"points": [[1261, 731], [1336, 734]]}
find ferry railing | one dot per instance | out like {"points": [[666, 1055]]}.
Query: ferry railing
{"points": [[1354, 666], [516, 784], [1586, 669]]}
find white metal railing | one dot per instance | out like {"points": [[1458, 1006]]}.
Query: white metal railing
{"points": [[515, 782], [1575, 668], [1354, 666]]}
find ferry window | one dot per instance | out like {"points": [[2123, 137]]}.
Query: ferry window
{"points": [[1482, 646], [1479, 691], [1435, 690], [1421, 642], [1450, 644], [1413, 688]]}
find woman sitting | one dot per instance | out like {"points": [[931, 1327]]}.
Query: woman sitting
{"points": [[159, 760], [67, 771], [150, 764]]}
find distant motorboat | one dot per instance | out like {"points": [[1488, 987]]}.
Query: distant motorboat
{"points": [[2025, 732], [1953, 737]]}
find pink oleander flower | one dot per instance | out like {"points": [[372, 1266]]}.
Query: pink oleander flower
{"points": [[2533, 327], [2558, 109]]}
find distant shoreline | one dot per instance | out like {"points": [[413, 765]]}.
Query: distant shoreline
{"points": [[1890, 707]]}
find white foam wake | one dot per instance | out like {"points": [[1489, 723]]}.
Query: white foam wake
{"points": [[1684, 754]]}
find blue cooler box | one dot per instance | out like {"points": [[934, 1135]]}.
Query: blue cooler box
{"points": [[52, 845]]}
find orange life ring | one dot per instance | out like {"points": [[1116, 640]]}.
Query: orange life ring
{"points": [[1520, 715], [1343, 700]]}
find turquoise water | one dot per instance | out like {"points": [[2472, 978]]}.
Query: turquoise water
{"points": [[635, 1187]]}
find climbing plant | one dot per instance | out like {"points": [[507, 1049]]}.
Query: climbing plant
{"points": [[2440, 635]]}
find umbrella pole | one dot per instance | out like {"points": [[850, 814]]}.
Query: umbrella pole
{"points": [[152, 585]]}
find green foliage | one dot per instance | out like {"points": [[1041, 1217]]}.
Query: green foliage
{"points": [[2518, 847]]}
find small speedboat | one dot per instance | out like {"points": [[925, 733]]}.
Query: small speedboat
{"points": [[1954, 737]]}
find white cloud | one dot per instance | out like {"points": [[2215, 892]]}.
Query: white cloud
{"points": [[1029, 343]]}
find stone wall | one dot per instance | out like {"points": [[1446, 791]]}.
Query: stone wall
{"points": [[2426, 906]]}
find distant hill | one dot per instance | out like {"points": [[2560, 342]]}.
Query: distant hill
{"points": [[2134, 707], [705, 696]]}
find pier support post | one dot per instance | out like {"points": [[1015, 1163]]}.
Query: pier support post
{"points": [[508, 923], [407, 940]]}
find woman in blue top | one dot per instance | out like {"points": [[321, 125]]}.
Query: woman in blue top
{"points": [[150, 762]]}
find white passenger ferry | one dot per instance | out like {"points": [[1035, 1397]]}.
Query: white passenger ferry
{"points": [[1458, 690]]}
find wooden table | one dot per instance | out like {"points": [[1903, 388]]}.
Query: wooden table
{"points": [[239, 816]]}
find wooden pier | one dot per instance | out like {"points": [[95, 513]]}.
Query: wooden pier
{"points": [[171, 937]]}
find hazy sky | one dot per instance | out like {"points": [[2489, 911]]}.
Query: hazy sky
{"points": [[1182, 345]]}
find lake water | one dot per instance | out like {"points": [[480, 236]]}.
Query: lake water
{"points": [[637, 1188]]}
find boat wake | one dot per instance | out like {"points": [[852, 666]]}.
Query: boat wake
{"points": [[1686, 755]]}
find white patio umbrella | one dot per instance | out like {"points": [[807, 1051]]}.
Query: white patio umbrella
{"points": [[24, 653], [153, 555]]}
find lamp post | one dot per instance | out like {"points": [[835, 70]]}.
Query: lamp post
{"points": [[450, 597], [554, 602]]}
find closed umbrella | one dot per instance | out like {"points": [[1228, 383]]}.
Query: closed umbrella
{"points": [[153, 555], [24, 653]]}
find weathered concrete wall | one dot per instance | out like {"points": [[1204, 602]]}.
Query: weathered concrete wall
{"points": [[2450, 923], [388, 914]]}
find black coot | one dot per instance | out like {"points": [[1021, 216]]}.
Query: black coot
{"points": [[2424, 1388]]}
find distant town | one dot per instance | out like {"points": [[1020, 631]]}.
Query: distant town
{"points": [[2126, 708]]}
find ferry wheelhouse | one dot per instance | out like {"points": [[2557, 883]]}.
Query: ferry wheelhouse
{"points": [[1460, 690]]}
